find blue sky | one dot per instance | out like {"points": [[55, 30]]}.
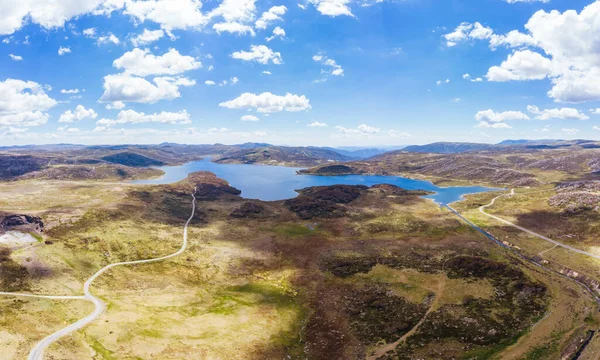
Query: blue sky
{"points": [[357, 72]]}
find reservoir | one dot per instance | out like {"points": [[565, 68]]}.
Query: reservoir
{"points": [[271, 183]]}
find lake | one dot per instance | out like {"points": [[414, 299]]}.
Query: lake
{"points": [[271, 183]]}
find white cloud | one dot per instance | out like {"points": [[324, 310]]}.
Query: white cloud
{"points": [[596, 128], [143, 63], [456, 100], [521, 65], [268, 102], [134, 117], [23, 103], [316, 124], [234, 28], [69, 91], [332, 8], [63, 50], [235, 10], [335, 69], [110, 38], [209, 82], [571, 131], [117, 105], [497, 120], [480, 32], [595, 111], [147, 37], [15, 57], [79, 114], [89, 32], [170, 14], [471, 79], [440, 82], [277, 33], [249, 118], [568, 41], [268, 17], [126, 88], [259, 53], [564, 113], [234, 80], [48, 14], [363, 129], [266, 72], [512, 39]]}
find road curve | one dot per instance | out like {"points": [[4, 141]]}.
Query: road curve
{"points": [[37, 353], [557, 243]]}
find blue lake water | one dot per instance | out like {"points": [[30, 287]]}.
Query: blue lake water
{"points": [[270, 183]]}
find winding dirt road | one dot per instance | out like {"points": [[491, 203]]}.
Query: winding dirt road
{"points": [[556, 243], [37, 353]]}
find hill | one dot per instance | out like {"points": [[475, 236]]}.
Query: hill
{"points": [[132, 159], [447, 147], [281, 155]]}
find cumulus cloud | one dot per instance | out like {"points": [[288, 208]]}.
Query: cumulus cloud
{"points": [[249, 118], [23, 103], [170, 14], [209, 82], [15, 57], [595, 111], [110, 38], [316, 124], [117, 105], [521, 65], [277, 33], [63, 50], [270, 16], [234, 28], [563, 113], [134, 117], [143, 63], [79, 114], [260, 54], [268, 102], [556, 46], [596, 128], [333, 8], [497, 120], [467, 31], [127, 88], [147, 37], [69, 91]]}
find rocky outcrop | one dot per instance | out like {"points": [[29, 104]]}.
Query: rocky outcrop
{"points": [[24, 223]]}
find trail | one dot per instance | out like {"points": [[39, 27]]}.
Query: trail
{"points": [[557, 243], [37, 353]]}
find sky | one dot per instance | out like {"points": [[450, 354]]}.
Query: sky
{"points": [[308, 72]]}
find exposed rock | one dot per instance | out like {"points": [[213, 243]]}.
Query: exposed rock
{"points": [[24, 223]]}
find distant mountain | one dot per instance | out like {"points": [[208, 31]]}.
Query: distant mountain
{"points": [[448, 147], [354, 152], [525, 141], [132, 159], [282, 155], [251, 145]]}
